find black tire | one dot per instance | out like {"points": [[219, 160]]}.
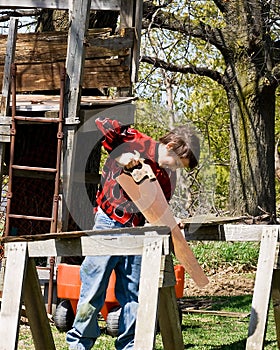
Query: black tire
{"points": [[112, 321], [64, 316]]}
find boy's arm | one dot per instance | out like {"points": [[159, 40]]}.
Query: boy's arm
{"points": [[115, 134]]}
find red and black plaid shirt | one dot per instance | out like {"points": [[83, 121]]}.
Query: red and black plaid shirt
{"points": [[111, 198]]}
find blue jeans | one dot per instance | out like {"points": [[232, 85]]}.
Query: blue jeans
{"points": [[95, 274]]}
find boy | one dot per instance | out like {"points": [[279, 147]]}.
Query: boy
{"points": [[177, 149]]}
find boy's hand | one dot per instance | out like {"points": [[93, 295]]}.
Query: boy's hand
{"points": [[129, 160], [132, 164]]}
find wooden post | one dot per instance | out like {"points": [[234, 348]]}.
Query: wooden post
{"points": [[36, 311], [169, 320], [5, 121], [168, 313], [148, 294], [79, 18], [261, 297], [12, 294], [275, 293]]}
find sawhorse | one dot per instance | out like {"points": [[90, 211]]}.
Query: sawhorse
{"points": [[156, 291], [267, 281]]}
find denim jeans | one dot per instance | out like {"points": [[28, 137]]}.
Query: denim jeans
{"points": [[95, 274]]}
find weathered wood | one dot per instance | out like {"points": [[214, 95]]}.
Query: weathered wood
{"points": [[137, 41], [113, 5], [79, 19], [150, 200], [52, 47], [75, 58], [275, 294], [161, 230], [148, 295], [152, 248], [93, 245], [225, 232], [169, 321], [97, 74], [35, 310], [9, 59], [262, 289], [39, 58], [191, 310], [12, 295]]}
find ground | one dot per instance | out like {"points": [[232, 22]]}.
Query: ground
{"points": [[227, 282]]}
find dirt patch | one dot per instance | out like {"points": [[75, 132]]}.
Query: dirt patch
{"points": [[227, 282]]}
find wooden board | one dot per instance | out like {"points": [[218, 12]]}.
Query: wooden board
{"points": [[150, 200], [103, 5], [39, 57], [262, 289], [12, 295]]}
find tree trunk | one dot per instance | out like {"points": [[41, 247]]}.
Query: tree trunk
{"points": [[252, 109]]}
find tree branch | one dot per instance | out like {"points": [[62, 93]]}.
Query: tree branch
{"points": [[221, 4], [167, 20], [202, 71], [6, 15]]}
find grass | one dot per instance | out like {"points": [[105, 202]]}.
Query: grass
{"points": [[202, 331]]}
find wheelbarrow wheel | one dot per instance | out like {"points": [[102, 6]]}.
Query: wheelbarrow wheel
{"points": [[112, 321], [64, 316]]}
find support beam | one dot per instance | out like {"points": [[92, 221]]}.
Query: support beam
{"points": [[35, 310], [262, 290], [113, 5], [12, 294]]}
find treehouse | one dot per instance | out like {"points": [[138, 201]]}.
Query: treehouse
{"points": [[59, 82]]}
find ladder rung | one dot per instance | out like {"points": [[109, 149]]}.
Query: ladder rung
{"points": [[33, 168], [37, 119], [29, 217]]}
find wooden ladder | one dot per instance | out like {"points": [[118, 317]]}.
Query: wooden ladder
{"points": [[26, 168]]}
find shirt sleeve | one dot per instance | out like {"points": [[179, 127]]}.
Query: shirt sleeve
{"points": [[113, 131]]}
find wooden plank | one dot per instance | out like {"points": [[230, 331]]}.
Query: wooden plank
{"points": [[79, 20], [148, 294], [169, 320], [12, 294], [227, 232], [93, 245], [36, 311], [9, 59], [262, 289], [150, 200], [42, 48], [275, 294], [103, 5], [137, 41], [97, 74]]}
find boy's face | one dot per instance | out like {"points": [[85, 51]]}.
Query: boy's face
{"points": [[169, 159]]}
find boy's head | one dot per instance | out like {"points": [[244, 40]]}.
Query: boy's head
{"points": [[184, 143]]}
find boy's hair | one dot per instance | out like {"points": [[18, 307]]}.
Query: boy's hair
{"points": [[186, 143]]}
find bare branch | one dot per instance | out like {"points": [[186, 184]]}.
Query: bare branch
{"points": [[6, 15], [202, 71], [167, 20]]}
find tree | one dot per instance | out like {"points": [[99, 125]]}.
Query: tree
{"points": [[244, 34]]}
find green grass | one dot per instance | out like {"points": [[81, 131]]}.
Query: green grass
{"points": [[200, 331], [216, 255]]}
